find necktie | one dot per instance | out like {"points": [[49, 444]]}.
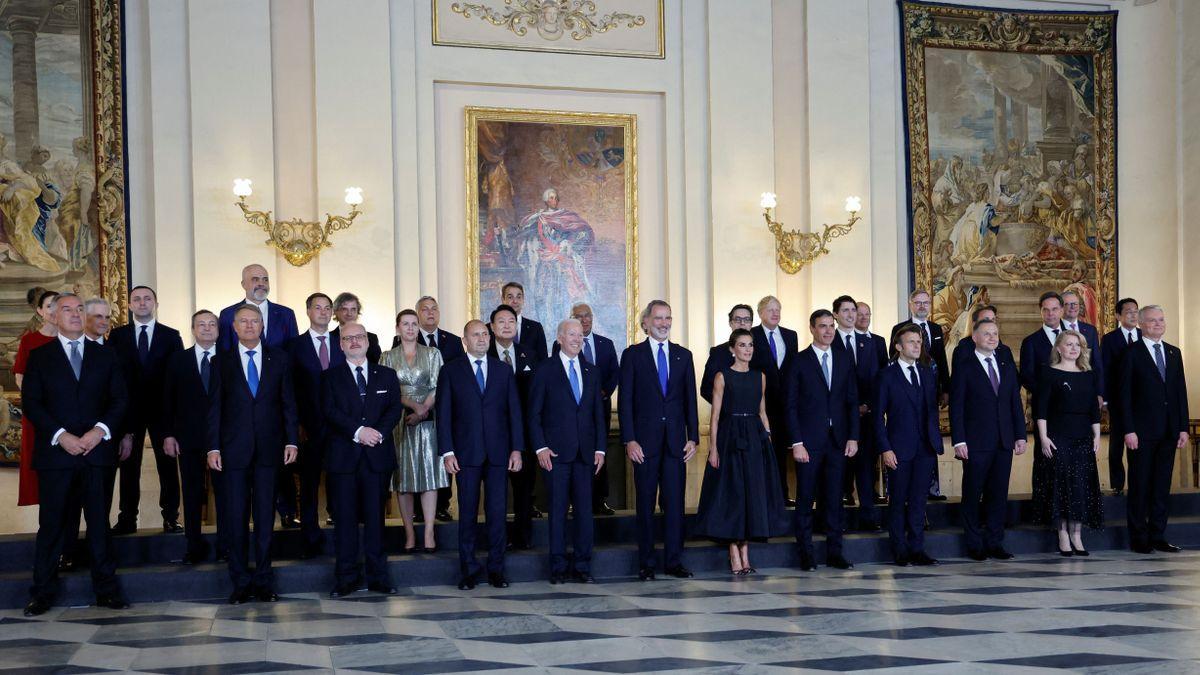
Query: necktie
{"points": [[1057, 331], [76, 358], [1160, 362], [1129, 338], [850, 348], [993, 376], [205, 371], [587, 352], [432, 340], [143, 345], [1073, 326], [662, 369], [771, 342], [925, 335], [912, 379], [479, 374], [574, 378], [251, 373], [508, 360], [362, 381], [323, 352], [825, 370]]}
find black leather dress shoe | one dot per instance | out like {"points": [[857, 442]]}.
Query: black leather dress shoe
{"points": [[382, 588], [1142, 548], [172, 527], [557, 578], [807, 564], [923, 559], [190, 558], [266, 595], [329, 521], [838, 562], [679, 572], [999, 553], [871, 527], [66, 563], [443, 516], [310, 551], [789, 503], [222, 556], [603, 509], [901, 561], [341, 591], [497, 580], [289, 522], [239, 596], [582, 578], [123, 527], [1166, 547], [937, 498], [467, 583], [977, 556], [112, 602], [536, 512], [37, 607], [646, 574]]}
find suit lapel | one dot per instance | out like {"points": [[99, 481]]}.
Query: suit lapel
{"points": [[908, 388]]}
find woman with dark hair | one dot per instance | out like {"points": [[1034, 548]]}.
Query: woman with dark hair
{"points": [[27, 492], [740, 499]]}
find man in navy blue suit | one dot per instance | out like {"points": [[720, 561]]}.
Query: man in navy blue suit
{"points": [[279, 322], [1072, 308], [660, 429], [602, 353], [530, 333], [252, 430], [522, 361], [480, 436], [821, 400], [878, 346], [310, 355], [720, 357], [1035, 358], [567, 429], [774, 347], [143, 348], [361, 404], [920, 303], [987, 427], [192, 389], [966, 346], [1154, 417], [74, 394], [451, 346], [860, 469], [906, 422], [1112, 349]]}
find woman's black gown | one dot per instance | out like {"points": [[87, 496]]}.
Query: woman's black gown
{"points": [[1068, 486]]}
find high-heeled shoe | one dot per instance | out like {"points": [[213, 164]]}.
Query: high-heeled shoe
{"points": [[1082, 552], [409, 550], [430, 549], [1067, 553]]}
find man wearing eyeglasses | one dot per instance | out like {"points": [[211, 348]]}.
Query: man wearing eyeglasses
{"points": [[721, 357]]}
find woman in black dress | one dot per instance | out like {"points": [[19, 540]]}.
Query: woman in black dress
{"points": [[740, 499], [1068, 419]]}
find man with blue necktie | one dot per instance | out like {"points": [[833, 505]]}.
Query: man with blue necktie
{"points": [[660, 429], [774, 347]]}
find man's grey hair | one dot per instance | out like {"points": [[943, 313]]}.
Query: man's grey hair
{"points": [[423, 298], [59, 298], [650, 308], [248, 307], [93, 302], [562, 325], [1141, 312]]}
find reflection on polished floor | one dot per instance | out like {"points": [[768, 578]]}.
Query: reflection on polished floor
{"points": [[1111, 612]]}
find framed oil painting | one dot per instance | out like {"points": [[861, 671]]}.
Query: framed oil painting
{"points": [[552, 204], [62, 169], [1011, 129]]}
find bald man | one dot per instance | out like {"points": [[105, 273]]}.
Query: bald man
{"points": [[279, 322]]}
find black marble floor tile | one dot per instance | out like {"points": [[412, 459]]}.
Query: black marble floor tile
{"points": [[242, 668], [918, 633], [729, 635], [1123, 607], [847, 663], [693, 595], [848, 592], [1073, 661], [954, 610], [182, 641], [355, 639], [535, 597], [54, 670], [617, 614], [806, 610], [448, 666], [301, 617], [997, 590], [648, 665], [1107, 631], [25, 643], [124, 619], [458, 616], [536, 638]]}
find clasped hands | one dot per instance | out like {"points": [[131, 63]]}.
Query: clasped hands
{"points": [[81, 445]]}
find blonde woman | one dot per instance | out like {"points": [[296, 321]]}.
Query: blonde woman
{"points": [[1067, 494]]}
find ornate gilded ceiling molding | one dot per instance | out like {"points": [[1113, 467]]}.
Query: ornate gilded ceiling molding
{"points": [[551, 19]]}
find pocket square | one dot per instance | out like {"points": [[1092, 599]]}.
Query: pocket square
{"points": [[381, 391], [527, 367]]}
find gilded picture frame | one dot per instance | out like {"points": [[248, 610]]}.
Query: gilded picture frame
{"points": [[1010, 121], [576, 253], [86, 36]]}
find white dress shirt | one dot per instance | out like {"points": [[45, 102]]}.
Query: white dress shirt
{"points": [[1071, 325], [853, 341], [909, 375], [200, 352], [566, 364], [666, 345], [983, 357], [99, 340], [66, 345], [924, 324], [1150, 348], [511, 350], [137, 331], [1050, 332], [780, 345], [483, 366], [313, 335], [366, 373], [431, 337], [258, 350], [1129, 335], [265, 308]]}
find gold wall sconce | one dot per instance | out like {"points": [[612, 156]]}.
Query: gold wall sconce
{"points": [[795, 249], [298, 240]]}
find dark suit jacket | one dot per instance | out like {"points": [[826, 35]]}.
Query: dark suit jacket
{"points": [[899, 413], [186, 405], [281, 326], [937, 351], [1112, 348], [573, 431], [533, 336], [606, 360], [346, 411], [449, 344], [1035, 358], [305, 366], [53, 399], [763, 363], [373, 349], [966, 348], [145, 380], [253, 430], [1151, 407], [811, 405], [984, 420], [869, 361], [660, 424], [478, 427], [719, 358], [1092, 337]]}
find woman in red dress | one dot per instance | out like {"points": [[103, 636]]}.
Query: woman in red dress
{"points": [[27, 494]]}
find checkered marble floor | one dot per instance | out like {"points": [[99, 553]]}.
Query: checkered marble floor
{"points": [[1112, 612]]}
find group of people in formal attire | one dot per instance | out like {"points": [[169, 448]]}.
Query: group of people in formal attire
{"points": [[262, 412]]}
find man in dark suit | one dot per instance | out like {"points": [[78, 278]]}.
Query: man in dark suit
{"points": [[1112, 348], [1154, 417], [863, 355], [530, 333], [310, 355], [920, 304], [279, 322], [1035, 358], [878, 346], [191, 390], [521, 360], [774, 346], [821, 400], [361, 402], [660, 429], [252, 430], [347, 308], [568, 430], [987, 427], [1072, 309], [906, 422], [602, 353], [451, 347], [97, 319], [480, 436], [965, 349], [74, 394], [143, 348], [720, 357]]}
